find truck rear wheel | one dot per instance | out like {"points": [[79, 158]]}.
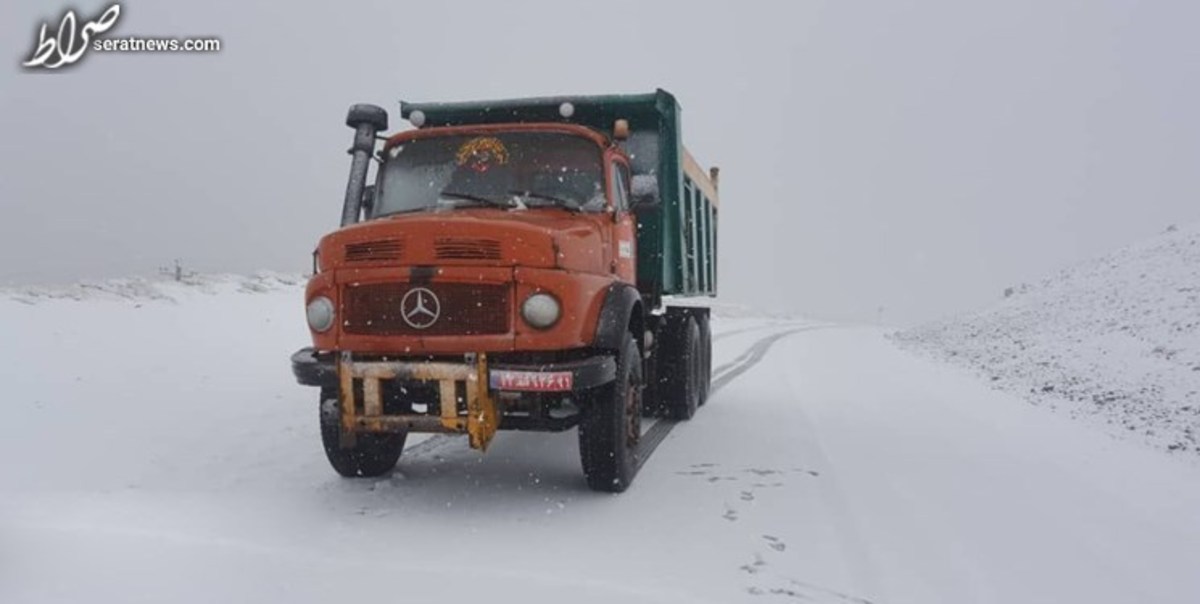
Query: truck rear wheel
{"points": [[610, 427], [705, 376], [685, 364], [371, 454]]}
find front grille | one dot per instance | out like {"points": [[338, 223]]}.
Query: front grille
{"points": [[455, 248], [463, 309], [375, 251]]}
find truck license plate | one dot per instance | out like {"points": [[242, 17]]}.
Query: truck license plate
{"points": [[532, 381]]}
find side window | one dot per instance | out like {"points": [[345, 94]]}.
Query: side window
{"points": [[621, 180]]}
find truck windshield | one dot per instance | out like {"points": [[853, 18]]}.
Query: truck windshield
{"points": [[506, 169]]}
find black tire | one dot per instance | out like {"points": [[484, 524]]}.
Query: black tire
{"points": [[371, 455], [705, 376], [681, 395], [610, 425]]}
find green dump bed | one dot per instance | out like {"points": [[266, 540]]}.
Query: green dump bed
{"points": [[677, 238]]}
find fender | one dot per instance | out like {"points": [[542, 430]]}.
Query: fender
{"points": [[622, 303]]}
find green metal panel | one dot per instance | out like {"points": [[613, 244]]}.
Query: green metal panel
{"points": [[709, 255], [691, 258], [716, 282], [705, 252], [696, 272], [667, 266], [675, 244]]}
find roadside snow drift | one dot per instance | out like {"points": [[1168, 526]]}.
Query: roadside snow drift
{"points": [[156, 449], [1115, 340]]}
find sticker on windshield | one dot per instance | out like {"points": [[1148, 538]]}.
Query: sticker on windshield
{"points": [[481, 153]]}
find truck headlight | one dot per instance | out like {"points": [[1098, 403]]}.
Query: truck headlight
{"points": [[541, 310], [320, 313]]}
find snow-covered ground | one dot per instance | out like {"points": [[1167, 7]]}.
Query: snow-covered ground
{"points": [[1113, 341], [157, 450]]}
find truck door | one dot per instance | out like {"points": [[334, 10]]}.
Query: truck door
{"points": [[624, 226]]}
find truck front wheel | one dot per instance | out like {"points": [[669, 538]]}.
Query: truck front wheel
{"points": [[371, 454], [610, 426]]}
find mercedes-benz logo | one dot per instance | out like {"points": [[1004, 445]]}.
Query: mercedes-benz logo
{"points": [[420, 308]]}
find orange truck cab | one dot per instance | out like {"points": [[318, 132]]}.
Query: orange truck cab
{"points": [[506, 269]]}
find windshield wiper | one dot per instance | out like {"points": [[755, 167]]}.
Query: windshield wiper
{"points": [[569, 204], [404, 211], [476, 198]]}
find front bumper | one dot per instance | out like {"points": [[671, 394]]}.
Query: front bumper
{"points": [[475, 411], [314, 368]]}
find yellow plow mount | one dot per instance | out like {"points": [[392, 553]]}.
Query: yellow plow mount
{"points": [[480, 421]]}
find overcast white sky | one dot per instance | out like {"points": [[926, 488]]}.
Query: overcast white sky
{"points": [[917, 156]]}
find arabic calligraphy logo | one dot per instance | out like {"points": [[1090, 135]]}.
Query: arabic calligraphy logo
{"points": [[479, 154], [66, 47], [420, 308]]}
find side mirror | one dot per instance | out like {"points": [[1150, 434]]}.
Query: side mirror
{"points": [[643, 192], [368, 201]]}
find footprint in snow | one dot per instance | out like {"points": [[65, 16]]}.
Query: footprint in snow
{"points": [[775, 543], [730, 515], [754, 567], [807, 592], [767, 485], [762, 471], [747, 496]]}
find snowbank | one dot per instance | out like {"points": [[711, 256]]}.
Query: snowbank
{"points": [[142, 288], [160, 451], [1115, 340]]}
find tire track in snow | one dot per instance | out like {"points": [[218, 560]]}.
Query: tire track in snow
{"points": [[747, 360], [429, 445], [726, 373], [733, 332], [659, 430], [771, 324]]}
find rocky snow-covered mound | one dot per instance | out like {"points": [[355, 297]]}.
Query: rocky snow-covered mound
{"points": [[1114, 340]]}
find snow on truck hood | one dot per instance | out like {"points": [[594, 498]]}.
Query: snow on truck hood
{"points": [[541, 238]]}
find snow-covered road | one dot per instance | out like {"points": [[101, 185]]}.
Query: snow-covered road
{"points": [[160, 452]]}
